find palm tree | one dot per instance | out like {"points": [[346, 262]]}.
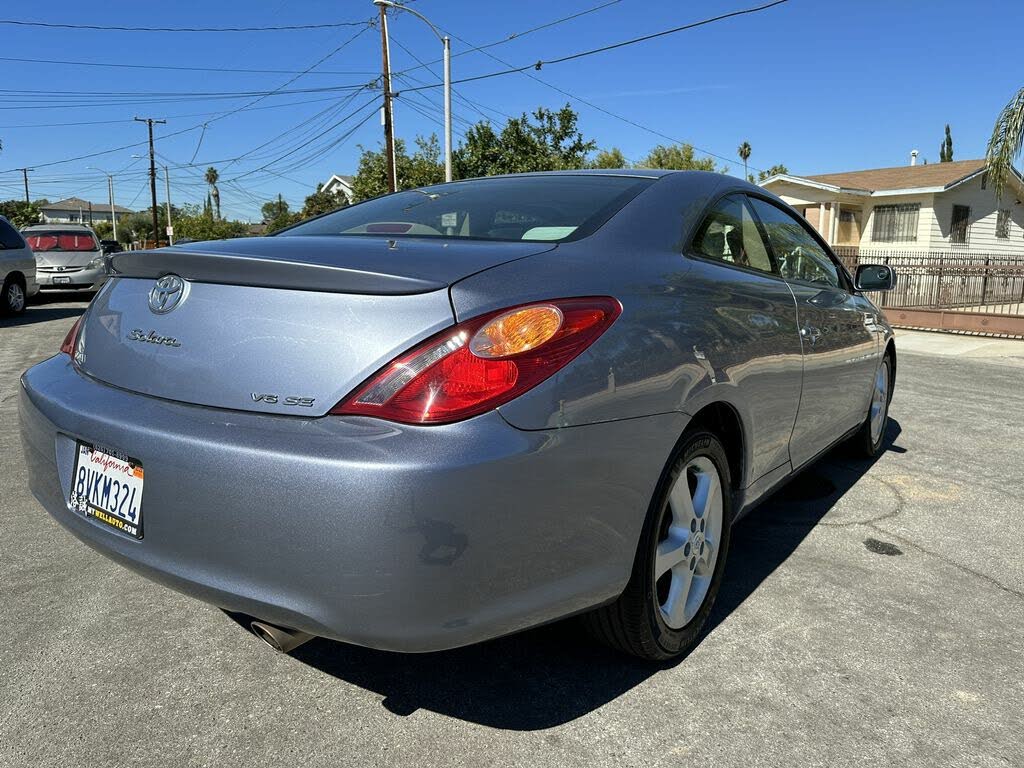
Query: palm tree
{"points": [[744, 153], [211, 178], [1005, 145]]}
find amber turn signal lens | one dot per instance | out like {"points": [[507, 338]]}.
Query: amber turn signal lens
{"points": [[516, 332]]}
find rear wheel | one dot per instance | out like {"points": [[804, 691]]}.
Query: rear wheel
{"points": [[680, 560], [868, 441], [12, 296]]}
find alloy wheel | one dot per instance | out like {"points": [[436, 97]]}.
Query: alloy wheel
{"points": [[15, 297], [688, 543], [879, 402]]}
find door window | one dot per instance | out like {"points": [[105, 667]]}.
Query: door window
{"points": [[797, 252], [9, 237], [729, 234]]}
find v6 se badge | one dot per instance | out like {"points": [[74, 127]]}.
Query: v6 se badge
{"points": [[271, 399]]}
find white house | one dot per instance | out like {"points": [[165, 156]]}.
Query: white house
{"points": [[911, 207], [339, 184], [78, 211]]}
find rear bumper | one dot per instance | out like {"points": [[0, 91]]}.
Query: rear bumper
{"points": [[393, 537]]}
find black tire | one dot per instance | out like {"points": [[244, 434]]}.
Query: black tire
{"points": [[634, 623], [863, 443], [7, 305]]}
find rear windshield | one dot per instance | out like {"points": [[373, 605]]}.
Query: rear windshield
{"points": [[61, 241], [532, 208]]}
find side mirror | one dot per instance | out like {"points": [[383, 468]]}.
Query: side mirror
{"points": [[875, 277]]}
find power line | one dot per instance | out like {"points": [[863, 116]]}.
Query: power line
{"points": [[221, 116], [524, 71], [319, 135], [517, 35], [540, 63], [189, 95], [105, 28], [169, 67], [306, 71], [475, 106], [169, 117]]}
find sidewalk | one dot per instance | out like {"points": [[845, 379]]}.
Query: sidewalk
{"points": [[1007, 351]]}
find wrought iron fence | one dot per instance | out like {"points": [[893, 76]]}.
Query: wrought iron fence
{"points": [[949, 289]]}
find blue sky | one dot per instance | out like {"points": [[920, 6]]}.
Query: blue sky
{"points": [[818, 86]]}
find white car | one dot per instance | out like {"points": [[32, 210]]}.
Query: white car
{"points": [[17, 270]]}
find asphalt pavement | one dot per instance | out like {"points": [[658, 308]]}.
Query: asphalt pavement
{"points": [[872, 614]]}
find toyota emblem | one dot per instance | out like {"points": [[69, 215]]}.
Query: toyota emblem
{"points": [[167, 293]]}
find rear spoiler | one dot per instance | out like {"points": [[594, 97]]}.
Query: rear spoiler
{"points": [[199, 265]]}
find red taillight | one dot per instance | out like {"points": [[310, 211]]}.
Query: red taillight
{"points": [[481, 363], [68, 345]]}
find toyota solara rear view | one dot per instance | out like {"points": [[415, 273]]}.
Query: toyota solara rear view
{"points": [[452, 413]]}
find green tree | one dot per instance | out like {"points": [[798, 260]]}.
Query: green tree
{"points": [[212, 177], [543, 141], [135, 227], [322, 201], [744, 152], [103, 229], [609, 158], [277, 214], [775, 170], [20, 213], [946, 147], [1005, 144], [194, 222], [678, 157], [422, 168]]}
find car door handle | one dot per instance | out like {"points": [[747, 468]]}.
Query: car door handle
{"points": [[811, 333]]}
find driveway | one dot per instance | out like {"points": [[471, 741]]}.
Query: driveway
{"points": [[872, 614]]}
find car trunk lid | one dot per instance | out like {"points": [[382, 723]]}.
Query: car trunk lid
{"points": [[271, 325]]}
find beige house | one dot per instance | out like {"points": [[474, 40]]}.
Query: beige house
{"points": [[75, 210], [912, 207]]}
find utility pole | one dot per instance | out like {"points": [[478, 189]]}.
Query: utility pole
{"points": [[110, 196], [447, 43], [113, 213], [152, 174], [389, 124], [24, 172], [447, 108], [170, 226]]}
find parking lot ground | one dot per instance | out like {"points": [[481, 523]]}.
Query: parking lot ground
{"points": [[872, 614]]}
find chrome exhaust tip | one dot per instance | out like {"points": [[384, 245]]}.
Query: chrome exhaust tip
{"points": [[279, 638]]}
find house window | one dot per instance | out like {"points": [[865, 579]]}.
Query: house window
{"points": [[1003, 223], [895, 223], [960, 224]]}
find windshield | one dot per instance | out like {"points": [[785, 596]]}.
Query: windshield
{"points": [[532, 208], [61, 241]]}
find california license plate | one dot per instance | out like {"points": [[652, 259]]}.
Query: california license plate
{"points": [[62, 281], [107, 486]]}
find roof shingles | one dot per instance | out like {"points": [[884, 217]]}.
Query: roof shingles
{"points": [[77, 203], [903, 177]]}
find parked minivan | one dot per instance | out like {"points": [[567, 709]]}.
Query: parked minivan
{"points": [[69, 257], [17, 270]]}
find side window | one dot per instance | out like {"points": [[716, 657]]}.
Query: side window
{"points": [[9, 237], [798, 254], [729, 234]]}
